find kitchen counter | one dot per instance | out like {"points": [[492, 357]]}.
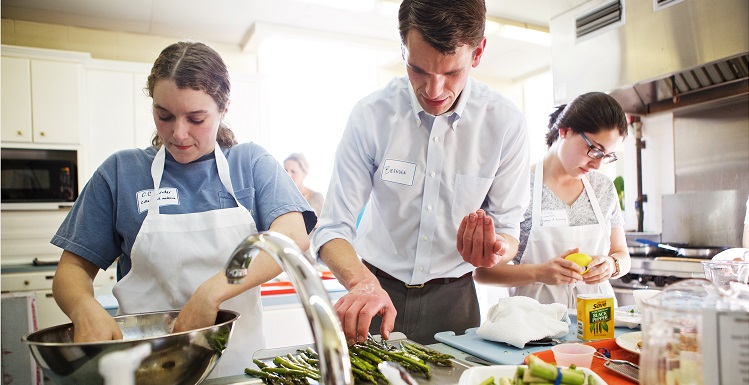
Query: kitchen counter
{"points": [[441, 347], [244, 379]]}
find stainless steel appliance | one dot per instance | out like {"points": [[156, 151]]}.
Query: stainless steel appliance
{"points": [[655, 267], [30, 175], [651, 55]]}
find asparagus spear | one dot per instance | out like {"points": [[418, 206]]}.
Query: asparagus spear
{"points": [[549, 372]]}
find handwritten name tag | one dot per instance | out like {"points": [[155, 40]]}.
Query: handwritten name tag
{"points": [[398, 171], [554, 218], [167, 196]]}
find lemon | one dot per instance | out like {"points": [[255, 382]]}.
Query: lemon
{"points": [[580, 259]]}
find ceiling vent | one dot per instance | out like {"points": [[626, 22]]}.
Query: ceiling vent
{"points": [[660, 4], [600, 18]]}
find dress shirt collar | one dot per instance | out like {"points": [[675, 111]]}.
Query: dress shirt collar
{"points": [[454, 115]]}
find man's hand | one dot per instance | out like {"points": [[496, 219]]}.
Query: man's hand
{"points": [[477, 242], [363, 302]]}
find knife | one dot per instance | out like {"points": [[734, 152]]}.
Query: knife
{"points": [[479, 361]]}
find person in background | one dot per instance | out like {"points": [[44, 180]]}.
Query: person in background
{"points": [[422, 153], [171, 251], [297, 167], [573, 209]]}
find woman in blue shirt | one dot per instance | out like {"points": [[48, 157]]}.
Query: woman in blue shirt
{"points": [[171, 214]]}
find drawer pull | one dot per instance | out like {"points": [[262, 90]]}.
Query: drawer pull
{"points": [[26, 283], [49, 295], [49, 277]]}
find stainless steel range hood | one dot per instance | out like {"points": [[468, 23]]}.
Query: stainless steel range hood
{"points": [[652, 56]]}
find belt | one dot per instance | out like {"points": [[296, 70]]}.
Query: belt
{"points": [[436, 281]]}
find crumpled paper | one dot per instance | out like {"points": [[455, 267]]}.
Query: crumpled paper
{"points": [[518, 320]]}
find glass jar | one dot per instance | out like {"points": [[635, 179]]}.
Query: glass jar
{"points": [[694, 333]]}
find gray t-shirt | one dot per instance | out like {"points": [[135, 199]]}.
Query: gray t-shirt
{"points": [[105, 219], [580, 212]]}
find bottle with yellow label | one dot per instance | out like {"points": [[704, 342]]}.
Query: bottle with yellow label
{"points": [[595, 316]]}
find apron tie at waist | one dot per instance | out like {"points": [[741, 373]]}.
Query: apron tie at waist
{"points": [[436, 281]]}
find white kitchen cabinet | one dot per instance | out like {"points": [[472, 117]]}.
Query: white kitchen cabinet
{"points": [[26, 235], [41, 101], [40, 282], [144, 124], [16, 97], [118, 115]]}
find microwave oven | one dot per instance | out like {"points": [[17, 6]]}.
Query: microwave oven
{"points": [[31, 175]]}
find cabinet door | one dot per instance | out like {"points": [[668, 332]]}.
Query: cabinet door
{"points": [[48, 314], [110, 115], [144, 124], [16, 97], [55, 95], [26, 235]]}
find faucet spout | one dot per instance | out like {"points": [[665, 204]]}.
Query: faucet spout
{"points": [[330, 342]]}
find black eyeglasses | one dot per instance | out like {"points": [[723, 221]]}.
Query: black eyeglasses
{"points": [[596, 153]]}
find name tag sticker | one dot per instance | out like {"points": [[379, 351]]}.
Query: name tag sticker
{"points": [[554, 218], [398, 171], [167, 196]]}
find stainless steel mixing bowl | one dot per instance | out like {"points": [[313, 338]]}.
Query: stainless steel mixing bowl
{"points": [[179, 358]]}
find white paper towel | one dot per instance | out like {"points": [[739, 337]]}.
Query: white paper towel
{"points": [[517, 320]]}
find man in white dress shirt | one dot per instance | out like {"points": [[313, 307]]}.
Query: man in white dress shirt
{"points": [[421, 154]]}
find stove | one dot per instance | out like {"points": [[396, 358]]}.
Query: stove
{"points": [[653, 268], [656, 270]]}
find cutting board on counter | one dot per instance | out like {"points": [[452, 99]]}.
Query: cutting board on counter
{"points": [[498, 352], [492, 351]]}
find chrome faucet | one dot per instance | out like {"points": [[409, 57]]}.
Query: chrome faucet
{"points": [[335, 365]]}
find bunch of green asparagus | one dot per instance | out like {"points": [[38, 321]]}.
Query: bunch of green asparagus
{"points": [[297, 369], [539, 372]]}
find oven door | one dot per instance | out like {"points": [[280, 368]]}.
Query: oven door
{"points": [[38, 180]]}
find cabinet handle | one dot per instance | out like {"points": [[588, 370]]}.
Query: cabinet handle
{"points": [[19, 132], [42, 133], [49, 295], [50, 277], [26, 283]]}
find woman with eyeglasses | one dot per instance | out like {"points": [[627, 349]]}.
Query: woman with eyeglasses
{"points": [[573, 209]]}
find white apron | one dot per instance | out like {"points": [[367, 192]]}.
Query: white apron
{"points": [[546, 242], [174, 254]]}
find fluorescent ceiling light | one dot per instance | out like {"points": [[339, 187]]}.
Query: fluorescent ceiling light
{"points": [[350, 5], [517, 31], [524, 34]]}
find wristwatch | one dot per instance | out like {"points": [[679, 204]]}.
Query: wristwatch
{"points": [[616, 265]]}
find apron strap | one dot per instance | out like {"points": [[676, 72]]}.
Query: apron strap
{"points": [[157, 172], [593, 201], [223, 172], [538, 185]]}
